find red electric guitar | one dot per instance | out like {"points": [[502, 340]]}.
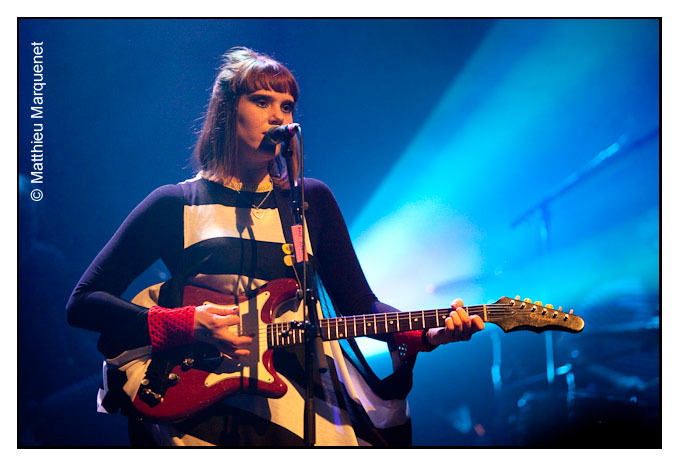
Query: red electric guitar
{"points": [[183, 381]]}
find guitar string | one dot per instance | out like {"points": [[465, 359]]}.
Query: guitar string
{"points": [[417, 314], [295, 336], [380, 318], [329, 323]]}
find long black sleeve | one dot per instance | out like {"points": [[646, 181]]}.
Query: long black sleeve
{"points": [[150, 232]]}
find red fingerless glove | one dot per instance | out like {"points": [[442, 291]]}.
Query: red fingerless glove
{"points": [[410, 343], [170, 327]]}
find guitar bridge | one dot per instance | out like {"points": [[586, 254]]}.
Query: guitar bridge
{"points": [[148, 395]]}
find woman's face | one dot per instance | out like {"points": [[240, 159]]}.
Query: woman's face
{"points": [[257, 112]]}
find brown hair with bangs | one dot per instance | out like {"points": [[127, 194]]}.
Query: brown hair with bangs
{"points": [[243, 71]]}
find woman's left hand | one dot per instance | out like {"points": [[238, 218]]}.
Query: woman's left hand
{"points": [[458, 326]]}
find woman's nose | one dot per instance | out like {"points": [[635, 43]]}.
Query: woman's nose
{"points": [[276, 116]]}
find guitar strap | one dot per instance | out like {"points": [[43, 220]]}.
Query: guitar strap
{"points": [[283, 204], [285, 213], [395, 386]]}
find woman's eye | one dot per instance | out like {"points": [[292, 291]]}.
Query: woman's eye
{"points": [[261, 102], [287, 108]]}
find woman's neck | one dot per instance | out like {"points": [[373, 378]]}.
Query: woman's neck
{"points": [[253, 179], [252, 176]]}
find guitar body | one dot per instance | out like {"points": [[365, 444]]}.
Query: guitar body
{"points": [[181, 382]]}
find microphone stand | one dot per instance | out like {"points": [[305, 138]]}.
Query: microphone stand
{"points": [[620, 146], [307, 294]]}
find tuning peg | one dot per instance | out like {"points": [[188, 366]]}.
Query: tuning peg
{"points": [[549, 306], [288, 260], [287, 248], [538, 303], [571, 312], [517, 297], [559, 309], [527, 300]]}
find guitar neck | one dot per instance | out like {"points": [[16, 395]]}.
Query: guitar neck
{"points": [[509, 314], [386, 323], [283, 334]]}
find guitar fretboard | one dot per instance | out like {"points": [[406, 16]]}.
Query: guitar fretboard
{"points": [[284, 334]]}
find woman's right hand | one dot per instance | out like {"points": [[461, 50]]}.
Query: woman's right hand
{"points": [[211, 325]]}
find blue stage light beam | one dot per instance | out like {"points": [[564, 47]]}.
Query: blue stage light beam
{"points": [[536, 102]]}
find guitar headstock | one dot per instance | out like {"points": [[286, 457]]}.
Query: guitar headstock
{"points": [[513, 314]]}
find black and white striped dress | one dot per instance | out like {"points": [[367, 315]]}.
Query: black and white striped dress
{"points": [[207, 235]]}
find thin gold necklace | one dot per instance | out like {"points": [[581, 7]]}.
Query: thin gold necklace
{"points": [[261, 187], [253, 188], [256, 211]]}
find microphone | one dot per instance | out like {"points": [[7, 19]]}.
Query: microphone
{"points": [[280, 134]]}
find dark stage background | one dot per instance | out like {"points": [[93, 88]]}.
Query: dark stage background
{"points": [[437, 137]]}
